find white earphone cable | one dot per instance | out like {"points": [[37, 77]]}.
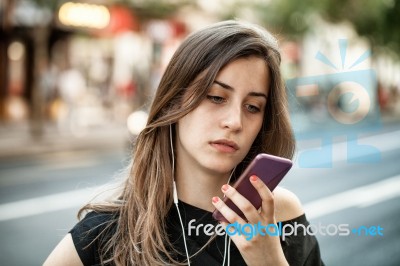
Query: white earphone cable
{"points": [[228, 249], [176, 201]]}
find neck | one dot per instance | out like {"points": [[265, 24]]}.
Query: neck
{"points": [[197, 188]]}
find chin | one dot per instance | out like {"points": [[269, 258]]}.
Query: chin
{"points": [[221, 166]]}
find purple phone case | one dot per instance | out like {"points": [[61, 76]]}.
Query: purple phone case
{"points": [[270, 169]]}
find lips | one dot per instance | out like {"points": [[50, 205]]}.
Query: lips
{"points": [[224, 145]]}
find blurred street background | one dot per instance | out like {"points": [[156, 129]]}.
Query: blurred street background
{"points": [[77, 77]]}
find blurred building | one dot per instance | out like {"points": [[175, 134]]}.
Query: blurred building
{"points": [[81, 64], [86, 63]]}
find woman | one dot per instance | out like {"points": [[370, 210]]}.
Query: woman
{"points": [[220, 102]]}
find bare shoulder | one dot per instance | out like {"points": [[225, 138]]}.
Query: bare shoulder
{"points": [[287, 205], [64, 254]]}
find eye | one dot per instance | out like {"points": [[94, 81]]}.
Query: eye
{"points": [[216, 99], [252, 109]]}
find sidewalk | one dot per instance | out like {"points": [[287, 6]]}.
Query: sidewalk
{"points": [[16, 141]]}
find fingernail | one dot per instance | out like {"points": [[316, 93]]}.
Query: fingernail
{"points": [[225, 187], [253, 178], [215, 199]]}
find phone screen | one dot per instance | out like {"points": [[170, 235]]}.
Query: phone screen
{"points": [[269, 168]]}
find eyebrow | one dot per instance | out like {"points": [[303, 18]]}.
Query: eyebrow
{"points": [[228, 87]]}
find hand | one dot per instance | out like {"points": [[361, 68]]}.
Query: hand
{"points": [[260, 249]]}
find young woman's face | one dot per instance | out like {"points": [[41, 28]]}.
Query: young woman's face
{"points": [[218, 134]]}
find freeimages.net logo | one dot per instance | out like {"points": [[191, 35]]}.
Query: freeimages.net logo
{"points": [[331, 105]]}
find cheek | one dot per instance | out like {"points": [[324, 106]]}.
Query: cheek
{"points": [[254, 129], [196, 120], [184, 127], [257, 123], [190, 126]]}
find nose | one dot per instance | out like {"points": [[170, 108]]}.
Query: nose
{"points": [[233, 119]]}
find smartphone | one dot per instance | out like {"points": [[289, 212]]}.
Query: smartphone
{"points": [[269, 168]]}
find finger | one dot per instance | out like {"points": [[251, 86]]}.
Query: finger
{"points": [[227, 212], [267, 207], [249, 211]]}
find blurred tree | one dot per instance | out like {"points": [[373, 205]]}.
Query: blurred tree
{"points": [[377, 20], [143, 8], [289, 17], [147, 9]]}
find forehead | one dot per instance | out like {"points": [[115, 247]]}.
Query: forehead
{"points": [[246, 72]]}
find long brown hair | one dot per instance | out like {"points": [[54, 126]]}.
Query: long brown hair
{"points": [[146, 196]]}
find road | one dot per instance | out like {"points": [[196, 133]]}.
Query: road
{"points": [[40, 196], [357, 195], [31, 224]]}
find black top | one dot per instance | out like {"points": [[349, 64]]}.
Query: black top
{"points": [[299, 249]]}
